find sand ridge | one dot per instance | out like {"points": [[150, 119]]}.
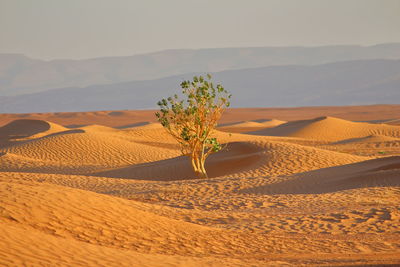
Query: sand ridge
{"points": [[127, 118], [249, 126], [330, 129], [24, 129]]}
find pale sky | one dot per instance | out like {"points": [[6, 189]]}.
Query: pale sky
{"points": [[75, 29]]}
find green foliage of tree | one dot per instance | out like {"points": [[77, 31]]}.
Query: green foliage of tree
{"points": [[191, 121]]}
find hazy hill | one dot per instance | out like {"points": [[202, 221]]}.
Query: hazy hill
{"points": [[341, 83], [20, 74]]}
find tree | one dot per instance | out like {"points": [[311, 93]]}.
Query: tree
{"points": [[192, 121]]}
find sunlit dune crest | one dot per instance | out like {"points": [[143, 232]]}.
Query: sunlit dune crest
{"points": [[330, 129]]}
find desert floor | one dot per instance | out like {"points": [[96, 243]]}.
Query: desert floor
{"points": [[317, 186]]}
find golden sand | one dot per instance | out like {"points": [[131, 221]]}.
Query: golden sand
{"points": [[316, 192]]}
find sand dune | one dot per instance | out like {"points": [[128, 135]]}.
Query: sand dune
{"points": [[249, 126], [243, 124], [82, 150], [143, 153], [150, 126], [21, 130], [383, 172], [372, 145], [330, 129], [241, 127], [240, 159], [72, 219], [96, 195], [28, 247], [368, 139], [54, 209], [17, 163], [272, 123], [123, 118]]}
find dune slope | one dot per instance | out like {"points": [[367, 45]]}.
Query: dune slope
{"points": [[383, 172], [240, 159], [330, 129], [249, 126], [20, 246], [70, 219], [83, 150]]}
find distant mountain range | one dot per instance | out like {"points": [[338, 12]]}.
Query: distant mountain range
{"points": [[22, 75], [353, 82]]}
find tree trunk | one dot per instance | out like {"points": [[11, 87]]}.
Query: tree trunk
{"points": [[194, 165], [203, 169], [202, 160], [198, 166]]}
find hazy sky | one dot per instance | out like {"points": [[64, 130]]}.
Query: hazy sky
{"points": [[51, 29]]}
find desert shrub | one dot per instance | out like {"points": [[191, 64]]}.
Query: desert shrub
{"points": [[192, 120]]}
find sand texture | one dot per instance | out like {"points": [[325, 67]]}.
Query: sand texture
{"points": [[316, 191]]}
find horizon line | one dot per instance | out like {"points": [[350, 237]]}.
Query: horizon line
{"points": [[195, 49]]}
